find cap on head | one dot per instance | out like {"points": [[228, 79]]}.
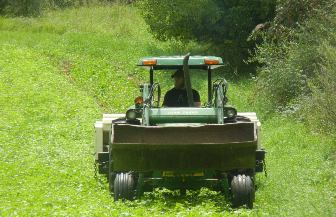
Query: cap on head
{"points": [[178, 73]]}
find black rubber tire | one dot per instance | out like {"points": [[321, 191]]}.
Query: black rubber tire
{"points": [[124, 187], [242, 191]]}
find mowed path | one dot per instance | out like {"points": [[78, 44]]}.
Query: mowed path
{"points": [[46, 138], [46, 161]]}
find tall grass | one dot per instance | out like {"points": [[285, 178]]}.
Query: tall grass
{"points": [[298, 76], [97, 47], [38, 7]]}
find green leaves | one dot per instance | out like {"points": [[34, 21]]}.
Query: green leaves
{"points": [[297, 74], [35, 8], [226, 25]]}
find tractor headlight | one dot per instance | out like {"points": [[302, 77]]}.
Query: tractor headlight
{"points": [[131, 114], [231, 112]]}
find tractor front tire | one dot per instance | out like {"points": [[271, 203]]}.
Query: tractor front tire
{"points": [[242, 191], [124, 187]]}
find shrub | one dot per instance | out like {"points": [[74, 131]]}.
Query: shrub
{"points": [[36, 7], [298, 72], [225, 25], [319, 109], [21, 7]]}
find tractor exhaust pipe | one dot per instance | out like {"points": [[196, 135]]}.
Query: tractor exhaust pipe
{"points": [[187, 82]]}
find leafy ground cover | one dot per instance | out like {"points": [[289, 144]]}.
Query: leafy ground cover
{"points": [[58, 73]]}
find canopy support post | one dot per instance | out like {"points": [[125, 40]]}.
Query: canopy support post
{"points": [[151, 76], [209, 86], [187, 82]]}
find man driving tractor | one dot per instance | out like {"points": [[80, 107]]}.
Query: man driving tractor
{"points": [[177, 96]]}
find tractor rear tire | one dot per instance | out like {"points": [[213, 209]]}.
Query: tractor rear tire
{"points": [[242, 191], [124, 187]]}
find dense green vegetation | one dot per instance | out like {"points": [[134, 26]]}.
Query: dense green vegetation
{"points": [[298, 73], [38, 7], [295, 51], [61, 71], [224, 25]]}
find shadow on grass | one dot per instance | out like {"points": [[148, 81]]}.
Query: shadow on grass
{"points": [[166, 201], [172, 200]]}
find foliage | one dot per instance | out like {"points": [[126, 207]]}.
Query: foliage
{"points": [[226, 25], [20, 7], [298, 72], [319, 107], [37, 7], [290, 13]]}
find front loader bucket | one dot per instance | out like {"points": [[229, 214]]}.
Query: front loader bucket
{"points": [[148, 148]]}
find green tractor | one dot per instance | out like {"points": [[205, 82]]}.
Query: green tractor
{"points": [[181, 148]]}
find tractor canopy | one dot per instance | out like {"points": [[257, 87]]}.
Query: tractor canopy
{"points": [[176, 62], [207, 63]]}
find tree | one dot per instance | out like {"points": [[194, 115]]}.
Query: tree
{"points": [[21, 7], [36, 7], [225, 24]]}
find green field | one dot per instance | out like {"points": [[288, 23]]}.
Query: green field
{"points": [[60, 72]]}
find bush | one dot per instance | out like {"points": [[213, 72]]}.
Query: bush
{"points": [[226, 25], [21, 7], [298, 73], [319, 109], [36, 7]]}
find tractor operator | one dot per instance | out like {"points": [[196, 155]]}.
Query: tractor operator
{"points": [[177, 96]]}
